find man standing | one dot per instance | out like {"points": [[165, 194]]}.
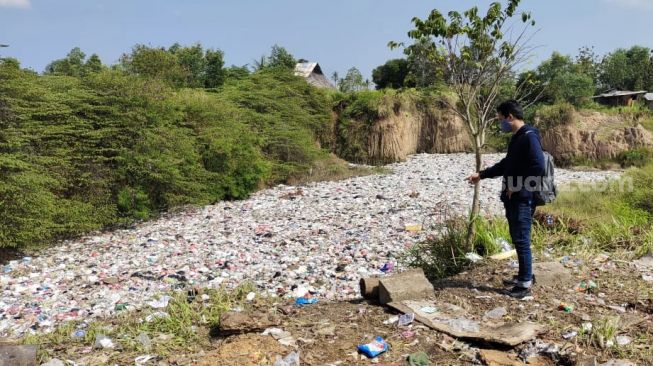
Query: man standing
{"points": [[522, 170]]}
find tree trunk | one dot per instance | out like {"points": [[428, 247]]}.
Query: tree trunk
{"points": [[476, 205]]}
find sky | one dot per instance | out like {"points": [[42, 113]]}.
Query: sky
{"points": [[338, 34]]}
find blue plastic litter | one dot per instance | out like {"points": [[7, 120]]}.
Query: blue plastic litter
{"points": [[374, 348], [305, 301]]}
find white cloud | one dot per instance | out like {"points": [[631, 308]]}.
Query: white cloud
{"points": [[24, 4], [638, 4]]}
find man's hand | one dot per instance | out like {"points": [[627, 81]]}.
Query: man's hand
{"points": [[474, 178]]}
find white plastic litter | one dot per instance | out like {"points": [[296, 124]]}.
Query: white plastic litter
{"points": [[161, 303], [291, 360], [321, 241], [143, 360], [54, 362]]}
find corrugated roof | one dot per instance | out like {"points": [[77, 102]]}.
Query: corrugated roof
{"points": [[648, 96], [305, 69], [619, 93]]}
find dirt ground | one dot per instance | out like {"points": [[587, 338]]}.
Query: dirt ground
{"points": [[327, 333]]}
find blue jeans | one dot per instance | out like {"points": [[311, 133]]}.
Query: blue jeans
{"points": [[519, 212]]}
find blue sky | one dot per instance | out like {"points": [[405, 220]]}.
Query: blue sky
{"points": [[337, 33]]}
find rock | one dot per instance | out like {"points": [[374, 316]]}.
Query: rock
{"points": [[235, 322], [498, 358], [410, 285], [552, 274], [17, 355]]}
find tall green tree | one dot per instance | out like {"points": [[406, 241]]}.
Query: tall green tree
{"points": [[627, 69], [214, 73], [562, 80], [74, 64], [281, 58], [477, 54], [423, 70], [353, 81], [392, 74]]}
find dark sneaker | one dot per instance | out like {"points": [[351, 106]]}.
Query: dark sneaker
{"points": [[520, 292], [510, 282]]}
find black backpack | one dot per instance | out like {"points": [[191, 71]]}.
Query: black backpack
{"points": [[548, 190]]}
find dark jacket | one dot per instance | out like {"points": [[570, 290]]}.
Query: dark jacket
{"points": [[524, 159]]}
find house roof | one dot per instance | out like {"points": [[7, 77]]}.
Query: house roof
{"points": [[648, 96], [619, 93], [305, 69], [312, 72]]}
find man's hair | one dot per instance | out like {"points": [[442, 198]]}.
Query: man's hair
{"points": [[511, 107]]}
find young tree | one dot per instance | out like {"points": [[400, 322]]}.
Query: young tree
{"points": [[352, 82], [281, 58], [71, 65], [214, 74], [477, 54], [336, 78]]}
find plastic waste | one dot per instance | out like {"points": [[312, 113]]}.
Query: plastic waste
{"points": [[567, 308], [145, 341], [143, 360], [263, 239], [389, 266], [157, 315], [54, 362], [406, 319], [161, 303], [306, 301], [623, 340], [569, 335], [79, 333], [504, 245], [586, 286], [374, 348], [391, 320], [473, 257], [291, 359], [102, 341], [413, 227], [428, 310], [251, 296]]}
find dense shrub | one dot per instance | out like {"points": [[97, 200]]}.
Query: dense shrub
{"points": [[549, 116], [82, 153]]}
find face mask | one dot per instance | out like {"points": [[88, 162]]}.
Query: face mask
{"points": [[505, 126]]}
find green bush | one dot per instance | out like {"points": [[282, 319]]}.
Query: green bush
{"points": [[83, 153], [635, 158], [549, 116]]}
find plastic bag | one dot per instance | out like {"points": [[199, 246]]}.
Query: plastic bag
{"points": [[374, 348]]}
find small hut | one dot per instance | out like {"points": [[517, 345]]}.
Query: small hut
{"points": [[619, 98], [312, 72], [648, 99]]}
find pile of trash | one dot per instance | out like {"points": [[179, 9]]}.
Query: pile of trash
{"points": [[322, 237]]}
